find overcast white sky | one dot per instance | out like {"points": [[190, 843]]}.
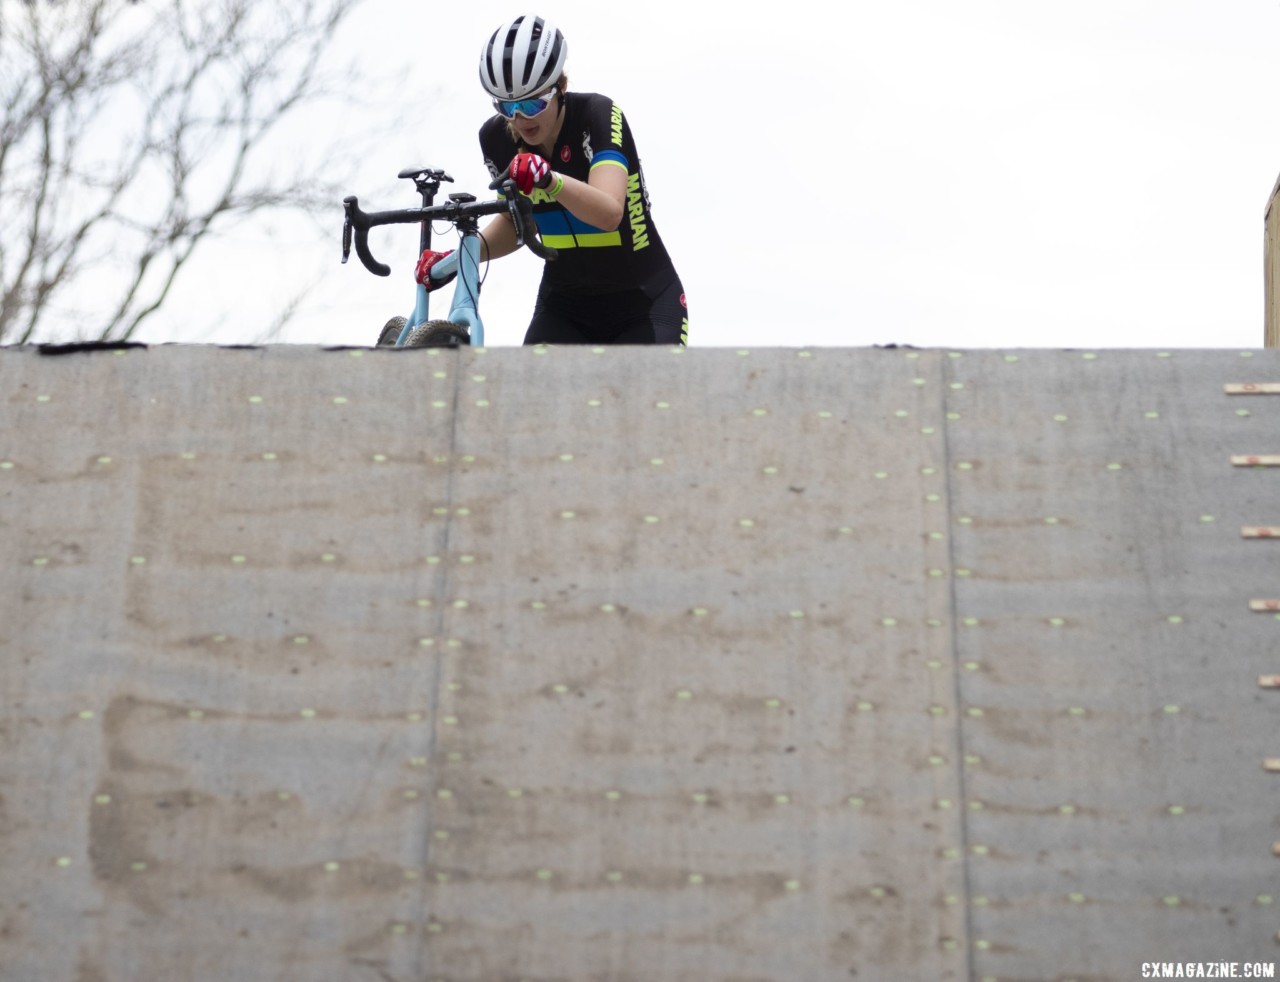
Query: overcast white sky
{"points": [[997, 173]]}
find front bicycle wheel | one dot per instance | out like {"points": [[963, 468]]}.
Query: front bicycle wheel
{"points": [[437, 334], [391, 332]]}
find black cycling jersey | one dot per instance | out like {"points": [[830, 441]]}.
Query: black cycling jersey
{"points": [[592, 260]]}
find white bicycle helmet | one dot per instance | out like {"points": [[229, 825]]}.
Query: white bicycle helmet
{"points": [[522, 58]]}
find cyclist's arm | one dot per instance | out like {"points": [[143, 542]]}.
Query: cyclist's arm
{"points": [[498, 238], [600, 200]]}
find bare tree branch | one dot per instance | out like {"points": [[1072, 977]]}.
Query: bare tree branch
{"points": [[131, 131]]}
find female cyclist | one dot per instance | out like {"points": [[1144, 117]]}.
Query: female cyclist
{"points": [[573, 155]]}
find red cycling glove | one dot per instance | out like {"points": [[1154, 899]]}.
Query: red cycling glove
{"points": [[422, 272], [529, 171]]}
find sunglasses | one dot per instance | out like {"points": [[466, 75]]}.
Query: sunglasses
{"points": [[525, 107]]}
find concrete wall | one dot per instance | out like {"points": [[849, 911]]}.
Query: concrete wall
{"points": [[635, 664]]}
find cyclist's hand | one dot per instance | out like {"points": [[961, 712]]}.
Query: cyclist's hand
{"points": [[422, 272], [530, 171]]}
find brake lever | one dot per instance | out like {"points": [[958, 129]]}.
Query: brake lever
{"points": [[530, 239], [508, 188]]}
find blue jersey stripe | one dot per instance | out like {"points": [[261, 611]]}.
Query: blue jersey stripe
{"points": [[616, 156], [558, 221]]}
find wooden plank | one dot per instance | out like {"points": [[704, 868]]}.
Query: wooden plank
{"points": [[1261, 531], [1252, 388], [1271, 269]]}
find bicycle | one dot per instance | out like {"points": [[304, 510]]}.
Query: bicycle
{"points": [[462, 210]]}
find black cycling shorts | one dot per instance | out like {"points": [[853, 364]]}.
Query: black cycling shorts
{"points": [[627, 317]]}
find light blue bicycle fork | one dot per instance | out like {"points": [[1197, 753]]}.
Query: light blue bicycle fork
{"points": [[465, 260]]}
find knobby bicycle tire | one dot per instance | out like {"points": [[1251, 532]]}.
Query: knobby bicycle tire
{"points": [[391, 332]]}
